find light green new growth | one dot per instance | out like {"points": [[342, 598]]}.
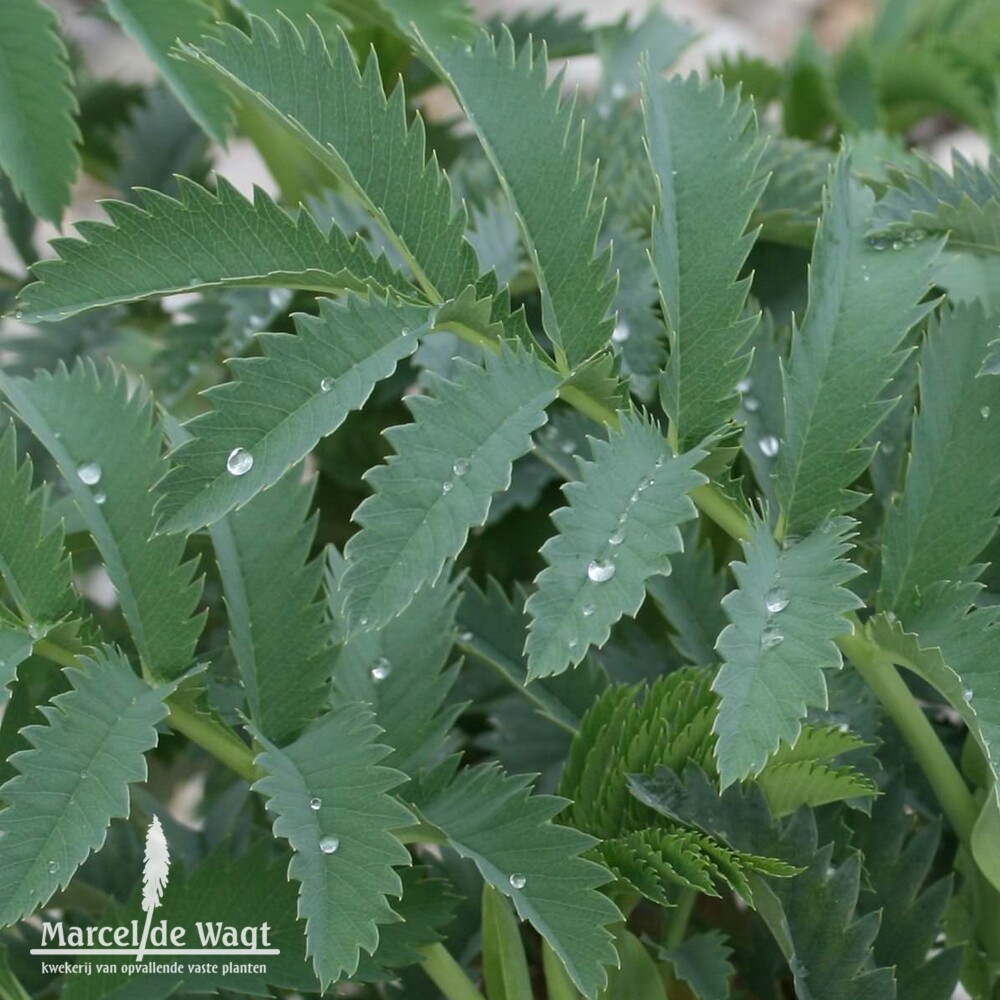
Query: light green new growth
{"points": [[109, 450], [38, 133], [789, 607], [74, 780], [703, 149], [198, 240], [449, 463], [329, 795], [619, 529]]}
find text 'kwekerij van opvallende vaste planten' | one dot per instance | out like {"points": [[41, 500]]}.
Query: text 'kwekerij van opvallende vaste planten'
{"points": [[548, 551]]}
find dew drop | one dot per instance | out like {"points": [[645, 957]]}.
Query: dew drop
{"points": [[461, 466], [617, 536], [769, 446], [878, 243], [240, 462], [658, 464], [382, 669], [587, 610], [967, 694], [898, 244], [776, 600], [465, 636], [329, 844], [100, 498], [36, 630], [53, 867], [518, 881], [984, 412], [620, 333], [315, 804], [90, 474], [634, 497], [327, 384], [405, 332], [770, 638], [448, 485], [744, 385], [18, 314], [363, 621], [600, 570], [571, 644]]}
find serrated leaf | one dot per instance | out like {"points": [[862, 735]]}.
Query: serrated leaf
{"points": [[279, 405], [862, 301], [534, 147], [157, 27], [946, 515], [448, 464], [74, 780], [440, 22], [33, 564], [362, 137], [619, 530], [283, 658], [299, 12], [784, 616], [702, 961], [96, 431], [702, 140], [342, 892], [493, 819], [638, 975], [38, 133], [162, 245]]}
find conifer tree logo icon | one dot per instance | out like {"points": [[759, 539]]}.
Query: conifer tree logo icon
{"points": [[155, 872]]}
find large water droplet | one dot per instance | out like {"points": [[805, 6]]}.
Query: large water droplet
{"points": [[327, 383], [53, 867], [984, 412], [36, 630], [771, 638], [776, 600], [240, 462], [769, 446], [621, 332], [90, 474], [588, 610], [518, 881], [461, 466], [600, 570], [617, 536], [329, 844], [315, 804], [382, 669]]}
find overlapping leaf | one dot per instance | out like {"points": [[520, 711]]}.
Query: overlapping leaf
{"points": [[38, 134], [74, 779], [109, 450], [946, 515], [534, 147], [862, 301], [450, 461], [279, 405], [342, 117], [163, 245], [493, 819], [283, 655], [619, 529], [789, 607], [703, 149], [157, 27], [329, 795]]}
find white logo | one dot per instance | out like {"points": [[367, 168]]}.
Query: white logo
{"points": [[155, 873]]}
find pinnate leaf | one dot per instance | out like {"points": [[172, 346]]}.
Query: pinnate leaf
{"points": [[619, 529], [789, 606], [74, 779], [449, 462]]}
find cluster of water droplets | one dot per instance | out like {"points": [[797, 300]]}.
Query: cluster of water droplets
{"points": [[750, 403], [460, 468], [775, 601], [897, 241], [90, 475], [328, 843]]}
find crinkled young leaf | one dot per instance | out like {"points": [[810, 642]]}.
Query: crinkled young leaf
{"points": [[534, 147], [279, 405], [946, 515], [862, 301], [703, 149], [493, 819], [788, 609], [328, 792], [109, 449], [157, 26], [199, 239], [38, 134], [33, 564], [342, 117], [74, 780], [620, 529], [448, 464], [277, 620]]}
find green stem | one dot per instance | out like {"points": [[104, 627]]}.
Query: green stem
{"points": [[679, 917], [879, 672], [223, 744], [712, 502], [590, 407], [447, 975]]}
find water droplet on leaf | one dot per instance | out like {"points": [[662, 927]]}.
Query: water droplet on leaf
{"points": [[315, 804], [90, 474], [327, 384], [744, 385], [100, 498], [448, 485], [984, 412], [329, 844], [518, 881], [588, 610], [240, 462], [771, 638], [53, 867], [382, 669], [620, 333], [600, 570], [769, 446], [776, 600], [751, 404], [461, 466], [617, 536]]}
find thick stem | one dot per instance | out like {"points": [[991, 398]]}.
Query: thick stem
{"points": [[447, 975], [219, 741], [679, 917]]}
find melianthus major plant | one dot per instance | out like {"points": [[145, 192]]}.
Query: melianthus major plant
{"points": [[669, 486]]}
